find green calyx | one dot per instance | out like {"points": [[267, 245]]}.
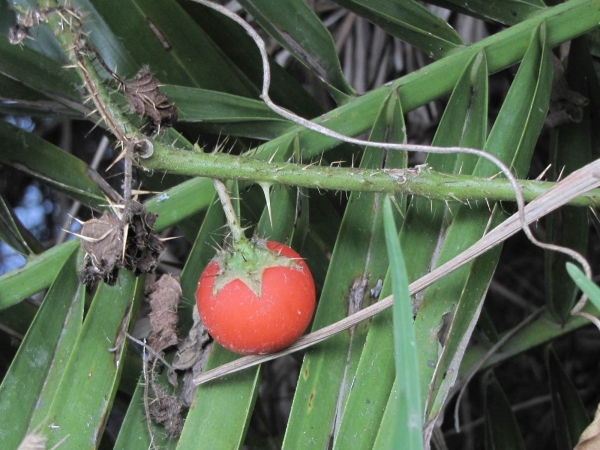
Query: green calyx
{"points": [[246, 260]]}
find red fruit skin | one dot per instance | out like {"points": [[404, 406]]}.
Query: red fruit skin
{"points": [[244, 323]]}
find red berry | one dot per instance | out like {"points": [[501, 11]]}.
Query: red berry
{"points": [[256, 298]]}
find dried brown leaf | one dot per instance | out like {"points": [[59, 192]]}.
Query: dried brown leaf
{"points": [[164, 301], [146, 100], [590, 438], [102, 239], [191, 357]]}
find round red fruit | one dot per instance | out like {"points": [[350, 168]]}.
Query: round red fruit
{"points": [[256, 298]]}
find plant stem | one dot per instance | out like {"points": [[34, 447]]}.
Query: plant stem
{"points": [[232, 219], [419, 181]]}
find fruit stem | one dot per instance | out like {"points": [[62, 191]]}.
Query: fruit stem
{"points": [[233, 221]]}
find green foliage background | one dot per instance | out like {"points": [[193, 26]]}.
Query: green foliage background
{"points": [[63, 383]]}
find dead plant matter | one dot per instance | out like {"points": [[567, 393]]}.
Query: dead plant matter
{"points": [[146, 100], [114, 241], [165, 409], [164, 296], [164, 301]]}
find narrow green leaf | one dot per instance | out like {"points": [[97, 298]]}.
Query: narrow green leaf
{"points": [[49, 164], [163, 36], [14, 234], [202, 252], [538, 332], [570, 416], [40, 354], [501, 429], [507, 12], [219, 415], [409, 421], [585, 284], [90, 380], [20, 100], [39, 273], [297, 28], [18, 318], [181, 201], [459, 295], [39, 72], [503, 49], [219, 112], [463, 123], [328, 369], [234, 42], [571, 148], [409, 21]]}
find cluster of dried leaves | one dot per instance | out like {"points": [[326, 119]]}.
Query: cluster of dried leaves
{"points": [[146, 101], [164, 297], [118, 240]]}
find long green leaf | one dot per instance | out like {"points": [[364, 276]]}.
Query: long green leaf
{"points": [[233, 41], [40, 355], [39, 72], [508, 12], [409, 21], [585, 284], [49, 164], [328, 368], [537, 333], [571, 148], [228, 114], [570, 416], [163, 36], [410, 412], [20, 100], [531, 87], [296, 27], [85, 394], [39, 273], [463, 123], [501, 428], [13, 233]]}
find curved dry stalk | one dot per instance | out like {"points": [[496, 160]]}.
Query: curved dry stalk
{"points": [[575, 184], [392, 146]]}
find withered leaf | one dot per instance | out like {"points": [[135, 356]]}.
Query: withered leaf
{"points": [[164, 302], [102, 239], [103, 243], [165, 409], [146, 100], [590, 438], [192, 354]]}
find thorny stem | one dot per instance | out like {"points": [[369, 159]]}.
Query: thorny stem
{"points": [[420, 181], [584, 178], [237, 233], [391, 146], [120, 127]]}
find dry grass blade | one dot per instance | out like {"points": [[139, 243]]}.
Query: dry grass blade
{"points": [[579, 182]]}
